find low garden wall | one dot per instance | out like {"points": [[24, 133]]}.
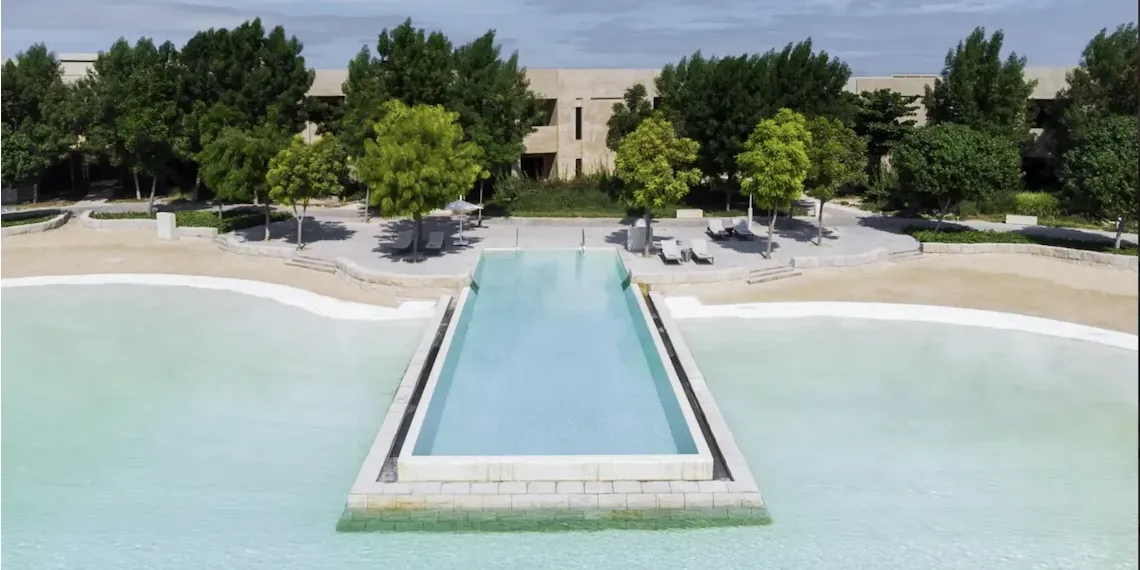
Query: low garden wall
{"points": [[87, 221], [59, 217], [1129, 262], [853, 260]]}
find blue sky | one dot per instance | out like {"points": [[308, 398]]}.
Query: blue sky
{"points": [[873, 36]]}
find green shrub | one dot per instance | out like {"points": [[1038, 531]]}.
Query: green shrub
{"points": [[231, 220], [120, 215], [25, 221], [965, 236], [1040, 204]]}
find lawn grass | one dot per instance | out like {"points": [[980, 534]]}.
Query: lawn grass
{"points": [[26, 221], [966, 236]]}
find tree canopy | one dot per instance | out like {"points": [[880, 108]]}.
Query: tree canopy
{"points": [[1099, 171], [236, 161], [627, 115], [980, 90], [301, 172], [656, 164], [418, 160], [36, 114], [883, 118], [775, 163], [948, 163], [837, 156]]}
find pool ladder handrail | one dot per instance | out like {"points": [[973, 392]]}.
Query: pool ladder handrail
{"points": [[516, 238], [583, 241]]}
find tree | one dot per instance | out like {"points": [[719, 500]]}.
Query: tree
{"points": [[301, 172], [838, 157], [946, 164], [34, 104], [979, 90], [235, 163], [1100, 169], [775, 163], [718, 102], [1105, 84], [247, 72], [417, 162], [628, 115], [136, 120], [884, 117], [654, 163]]}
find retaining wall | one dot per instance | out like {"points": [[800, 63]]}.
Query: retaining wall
{"points": [[854, 260], [1129, 262], [57, 221], [87, 221]]}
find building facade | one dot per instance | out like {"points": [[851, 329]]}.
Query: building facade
{"points": [[579, 103]]}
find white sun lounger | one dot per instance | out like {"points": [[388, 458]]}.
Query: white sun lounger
{"points": [[717, 229], [434, 242], [699, 249], [741, 229], [670, 251], [404, 241]]}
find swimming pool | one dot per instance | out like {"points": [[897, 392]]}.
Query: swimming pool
{"points": [[551, 356], [137, 436]]}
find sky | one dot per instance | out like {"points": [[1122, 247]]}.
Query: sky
{"points": [[875, 37]]}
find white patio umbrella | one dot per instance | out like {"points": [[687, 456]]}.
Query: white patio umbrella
{"points": [[462, 207]]}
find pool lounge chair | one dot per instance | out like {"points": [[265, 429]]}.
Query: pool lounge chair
{"points": [[403, 241], [434, 242], [740, 230], [716, 229], [699, 250], [670, 251]]}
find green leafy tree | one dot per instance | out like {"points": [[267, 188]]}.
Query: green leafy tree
{"points": [[418, 161], [240, 75], [1099, 170], [136, 120], [775, 163], [634, 108], [718, 101], [302, 172], [655, 165], [235, 164], [980, 90], [1105, 84], [34, 106], [838, 157], [884, 117], [949, 163]]}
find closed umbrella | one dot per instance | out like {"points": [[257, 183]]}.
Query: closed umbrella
{"points": [[462, 207]]}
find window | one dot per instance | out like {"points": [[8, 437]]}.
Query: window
{"points": [[577, 167], [577, 123]]}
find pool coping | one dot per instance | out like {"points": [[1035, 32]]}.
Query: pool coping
{"points": [[735, 462], [479, 469]]}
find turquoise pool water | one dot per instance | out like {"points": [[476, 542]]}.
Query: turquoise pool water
{"points": [[155, 428], [552, 356]]}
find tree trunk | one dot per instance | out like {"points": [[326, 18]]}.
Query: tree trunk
{"points": [[479, 223], [267, 219], [150, 203], [771, 226], [727, 198], [138, 190], [1119, 231], [416, 222], [819, 225], [219, 209], [194, 194], [942, 209], [300, 225], [71, 170], [36, 193], [648, 233]]}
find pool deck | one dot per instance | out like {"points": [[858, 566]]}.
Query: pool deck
{"points": [[380, 501]]}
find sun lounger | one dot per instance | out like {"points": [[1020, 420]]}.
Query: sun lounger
{"points": [[434, 242], [670, 251], [716, 229], [403, 241], [740, 230], [699, 250]]}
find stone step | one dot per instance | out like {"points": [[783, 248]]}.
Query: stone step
{"points": [[767, 274], [312, 263], [904, 255]]}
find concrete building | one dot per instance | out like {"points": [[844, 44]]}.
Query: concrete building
{"points": [[579, 103]]}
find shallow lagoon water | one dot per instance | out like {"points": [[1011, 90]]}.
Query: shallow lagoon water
{"points": [[175, 428]]}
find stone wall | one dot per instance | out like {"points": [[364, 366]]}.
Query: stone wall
{"points": [[87, 221], [1129, 262], [814, 262], [60, 218]]}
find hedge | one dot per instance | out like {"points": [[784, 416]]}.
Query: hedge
{"points": [[926, 235], [26, 221]]}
